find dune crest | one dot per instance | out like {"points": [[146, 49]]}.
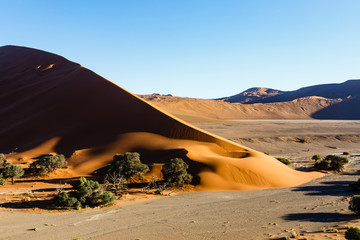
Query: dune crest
{"points": [[71, 110]]}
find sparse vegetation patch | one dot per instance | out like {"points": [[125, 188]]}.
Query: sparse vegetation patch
{"points": [[330, 162], [87, 193], [284, 161], [49, 163]]}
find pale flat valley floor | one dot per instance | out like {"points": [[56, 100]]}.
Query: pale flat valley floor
{"points": [[262, 214]]}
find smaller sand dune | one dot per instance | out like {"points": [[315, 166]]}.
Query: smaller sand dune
{"points": [[216, 168]]}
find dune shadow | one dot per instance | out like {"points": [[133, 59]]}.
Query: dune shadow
{"points": [[319, 217], [331, 188]]}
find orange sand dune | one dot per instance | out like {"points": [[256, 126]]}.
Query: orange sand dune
{"points": [[49, 104], [205, 110]]}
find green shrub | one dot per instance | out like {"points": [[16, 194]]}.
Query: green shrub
{"points": [[346, 153], [284, 161], [337, 163], [49, 163], [354, 204], [175, 173], [12, 171], [87, 193], [353, 233], [331, 162], [128, 165], [64, 199], [316, 157]]}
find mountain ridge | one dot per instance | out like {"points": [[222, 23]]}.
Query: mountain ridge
{"points": [[345, 90]]}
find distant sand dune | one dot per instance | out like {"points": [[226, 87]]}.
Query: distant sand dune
{"points": [[204, 110], [65, 108]]}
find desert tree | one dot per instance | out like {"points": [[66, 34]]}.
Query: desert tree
{"points": [[12, 171], [49, 163], [128, 165], [175, 172]]}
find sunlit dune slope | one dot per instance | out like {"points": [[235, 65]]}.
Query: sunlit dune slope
{"points": [[49, 104], [205, 110]]}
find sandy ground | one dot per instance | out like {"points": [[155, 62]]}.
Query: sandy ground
{"points": [[297, 140], [261, 214]]}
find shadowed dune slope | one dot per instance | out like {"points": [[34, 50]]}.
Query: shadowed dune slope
{"points": [[49, 104]]}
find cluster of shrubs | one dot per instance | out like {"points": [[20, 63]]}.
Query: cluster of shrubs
{"points": [[330, 162], [45, 164], [9, 170], [129, 166], [124, 168], [87, 193], [48, 163]]}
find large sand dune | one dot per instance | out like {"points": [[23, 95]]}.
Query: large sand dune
{"points": [[49, 104]]}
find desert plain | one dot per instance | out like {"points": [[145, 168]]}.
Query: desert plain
{"points": [[261, 214]]}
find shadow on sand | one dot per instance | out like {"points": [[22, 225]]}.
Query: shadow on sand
{"points": [[319, 217], [41, 204], [333, 188]]}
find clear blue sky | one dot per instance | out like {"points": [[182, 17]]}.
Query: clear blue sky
{"points": [[195, 48]]}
